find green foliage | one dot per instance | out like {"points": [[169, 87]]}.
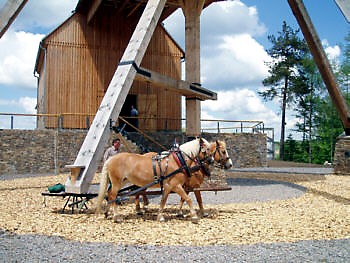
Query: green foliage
{"points": [[287, 52], [319, 123]]}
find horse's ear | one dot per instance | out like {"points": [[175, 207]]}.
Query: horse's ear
{"points": [[201, 142], [217, 142]]}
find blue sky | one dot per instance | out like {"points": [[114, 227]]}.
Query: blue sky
{"points": [[233, 44]]}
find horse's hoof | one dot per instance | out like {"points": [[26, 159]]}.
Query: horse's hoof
{"points": [[194, 218], [161, 218], [140, 212], [180, 214], [117, 219], [204, 214]]}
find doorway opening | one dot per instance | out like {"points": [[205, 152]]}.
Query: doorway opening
{"points": [[131, 100]]}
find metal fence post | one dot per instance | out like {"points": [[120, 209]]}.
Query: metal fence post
{"points": [[87, 122], [60, 122], [11, 122]]}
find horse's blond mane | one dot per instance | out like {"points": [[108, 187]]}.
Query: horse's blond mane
{"points": [[222, 143], [191, 148]]}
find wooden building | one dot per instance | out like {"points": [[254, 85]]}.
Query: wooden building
{"points": [[76, 62]]}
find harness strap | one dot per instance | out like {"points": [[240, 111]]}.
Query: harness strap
{"points": [[181, 162], [155, 176], [161, 172], [202, 167]]}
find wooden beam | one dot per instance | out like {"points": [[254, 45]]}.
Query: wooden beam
{"points": [[9, 13], [321, 60], [192, 10], [183, 87], [92, 148], [93, 9]]}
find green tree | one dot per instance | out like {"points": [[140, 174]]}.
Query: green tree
{"points": [[344, 78], [287, 52], [307, 89]]}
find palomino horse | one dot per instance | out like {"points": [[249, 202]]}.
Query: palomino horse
{"points": [[138, 170], [219, 152], [199, 169], [221, 156]]}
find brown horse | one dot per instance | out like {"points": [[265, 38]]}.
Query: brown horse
{"points": [[219, 152], [138, 170]]}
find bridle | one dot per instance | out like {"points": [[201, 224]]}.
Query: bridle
{"points": [[223, 157]]}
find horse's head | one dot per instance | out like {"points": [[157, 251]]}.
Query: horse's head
{"points": [[219, 152], [205, 152], [198, 148]]}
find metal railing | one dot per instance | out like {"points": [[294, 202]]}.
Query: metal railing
{"points": [[30, 121]]}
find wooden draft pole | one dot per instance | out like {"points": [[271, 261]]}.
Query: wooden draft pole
{"points": [[192, 10], [9, 13], [91, 151], [321, 60]]}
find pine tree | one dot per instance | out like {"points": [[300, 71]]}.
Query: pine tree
{"points": [[287, 52]]}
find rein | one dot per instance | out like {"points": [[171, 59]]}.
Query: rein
{"points": [[142, 188]]}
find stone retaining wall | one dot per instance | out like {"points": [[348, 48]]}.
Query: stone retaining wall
{"points": [[342, 155], [48, 151]]}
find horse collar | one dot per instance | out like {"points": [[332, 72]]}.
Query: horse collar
{"points": [[181, 162]]}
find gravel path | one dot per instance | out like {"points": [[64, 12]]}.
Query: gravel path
{"points": [[36, 248], [289, 170], [244, 190], [41, 248]]}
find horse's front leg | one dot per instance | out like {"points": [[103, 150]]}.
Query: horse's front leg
{"points": [[180, 191], [166, 192], [200, 203], [181, 203]]}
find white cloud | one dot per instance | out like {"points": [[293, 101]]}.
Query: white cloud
{"points": [[229, 18], [241, 104], [28, 104], [41, 15], [25, 104], [17, 58], [238, 60], [333, 52]]}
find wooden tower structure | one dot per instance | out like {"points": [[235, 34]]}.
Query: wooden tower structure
{"points": [[85, 165], [149, 14]]}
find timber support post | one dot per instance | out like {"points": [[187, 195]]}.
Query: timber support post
{"points": [[192, 10]]}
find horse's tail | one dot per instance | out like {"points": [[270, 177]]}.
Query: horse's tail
{"points": [[103, 187]]}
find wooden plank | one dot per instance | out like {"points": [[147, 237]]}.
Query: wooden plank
{"points": [[184, 87], [9, 13], [92, 148]]}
